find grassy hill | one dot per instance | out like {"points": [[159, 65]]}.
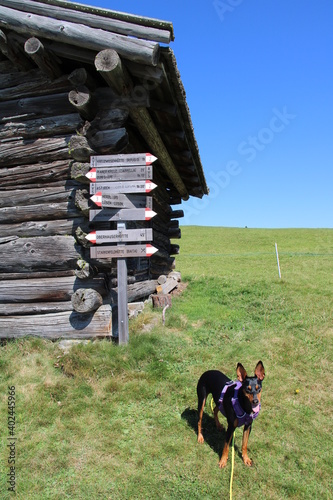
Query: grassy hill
{"points": [[113, 422]]}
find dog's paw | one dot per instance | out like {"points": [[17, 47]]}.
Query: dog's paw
{"points": [[200, 439], [223, 462], [247, 461]]}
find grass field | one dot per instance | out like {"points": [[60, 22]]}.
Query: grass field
{"points": [[120, 422]]}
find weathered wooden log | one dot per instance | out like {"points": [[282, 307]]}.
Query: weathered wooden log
{"points": [[109, 119], [136, 291], [167, 287], [42, 87], [79, 35], [48, 64], [34, 308], [11, 77], [86, 300], [174, 249], [79, 148], [71, 52], [41, 127], [20, 152], [45, 105], [130, 281], [37, 275], [33, 196], [42, 254], [108, 141], [45, 211], [69, 325], [106, 19], [107, 99], [161, 300], [13, 53], [47, 289], [80, 77], [152, 74], [82, 101], [36, 174], [109, 65]]}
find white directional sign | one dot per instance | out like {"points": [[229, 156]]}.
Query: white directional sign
{"points": [[122, 251], [120, 236], [109, 214], [122, 187], [120, 173], [122, 200], [119, 160]]}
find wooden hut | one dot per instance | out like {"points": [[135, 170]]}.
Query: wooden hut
{"points": [[75, 82]]}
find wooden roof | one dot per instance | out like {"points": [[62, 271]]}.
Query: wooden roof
{"points": [[74, 34]]}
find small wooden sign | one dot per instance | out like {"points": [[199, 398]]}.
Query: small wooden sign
{"points": [[122, 251], [120, 236], [130, 173], [119, 200], [126, 187], [109, 214], [124, 159]]}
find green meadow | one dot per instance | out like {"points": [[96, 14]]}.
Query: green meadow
{"points": [[119, 422]]}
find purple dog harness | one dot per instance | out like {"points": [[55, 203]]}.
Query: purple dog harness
{"points": [[242, 417]]}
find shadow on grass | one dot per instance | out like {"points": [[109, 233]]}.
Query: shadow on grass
{"points": [[214, 438]]}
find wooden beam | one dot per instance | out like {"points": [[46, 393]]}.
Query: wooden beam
{"points": [[69, 325], [108, 63], [48, 289], [11, 51], [98, 20], [47, 64], [79, 35]]}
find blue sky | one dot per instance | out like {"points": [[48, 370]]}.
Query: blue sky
{"points": [[259, 83]]}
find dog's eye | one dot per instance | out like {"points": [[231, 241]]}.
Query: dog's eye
{"points": [[249, 388]]}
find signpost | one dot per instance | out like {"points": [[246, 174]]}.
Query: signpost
{"points": [[124, 187], [121, 251], [122, 200], [125, 159], [113, 214], [120, 173], [115, 180], [120, 236]]}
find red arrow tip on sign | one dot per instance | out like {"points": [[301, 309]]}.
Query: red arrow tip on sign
{"points": [[97, 198], [150, 159], [92, 175], [150, 186], [149, 214], [150, 250], [91, 237]]}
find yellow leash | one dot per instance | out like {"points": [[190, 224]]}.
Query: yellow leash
{"points": [[232, 463], [232, 454]]}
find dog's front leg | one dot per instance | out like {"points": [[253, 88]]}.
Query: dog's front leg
{"points": [[225, 452], [246, 434]]}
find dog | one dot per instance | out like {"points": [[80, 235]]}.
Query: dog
{"points": [[238, 401]]}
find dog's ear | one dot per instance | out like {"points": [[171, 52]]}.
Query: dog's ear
{"points": [[260, 371], [241, 372]]}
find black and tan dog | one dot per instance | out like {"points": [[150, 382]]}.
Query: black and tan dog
{"points": [[238, 401]]}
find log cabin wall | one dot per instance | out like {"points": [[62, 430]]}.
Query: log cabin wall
{"points": [[76, 81]]}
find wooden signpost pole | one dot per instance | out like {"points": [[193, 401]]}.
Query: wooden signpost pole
{"points": [[123, 334]]}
